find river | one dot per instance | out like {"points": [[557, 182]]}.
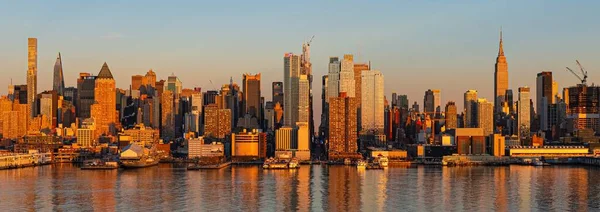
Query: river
{"points": [[64, 187]]}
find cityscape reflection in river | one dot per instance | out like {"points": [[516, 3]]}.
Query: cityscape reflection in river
{"points": [[316, 188]]}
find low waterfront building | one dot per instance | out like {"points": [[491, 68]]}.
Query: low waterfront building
{"points": [[548, 151], [198, 149], [142, 135], [248, 145]]}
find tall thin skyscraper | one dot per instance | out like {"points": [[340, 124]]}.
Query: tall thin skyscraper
{"points": [[372, 101], [429, 102], [470, 108], [303, 99], [523, 118], [291, 75], [59, 81], [347, 76], [358, 69], [500, 78], [342, 125], [32, 76], [333, 78], [251, 95], [543, 97]]}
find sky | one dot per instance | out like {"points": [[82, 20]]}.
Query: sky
{"points": [[417, 45]]}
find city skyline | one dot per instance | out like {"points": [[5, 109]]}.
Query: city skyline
{"points": [[401, 56]]}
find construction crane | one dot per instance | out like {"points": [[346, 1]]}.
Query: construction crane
{"points": [[583, 77]]}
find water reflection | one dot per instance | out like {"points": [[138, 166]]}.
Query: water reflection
{"points": [[64, 187]]}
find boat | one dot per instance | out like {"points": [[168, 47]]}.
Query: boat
{"points": [[361, 164], [281, 163], [383, 161], [293, 164], [135, 156], [99, 165], [347, 161], [538, 162]]}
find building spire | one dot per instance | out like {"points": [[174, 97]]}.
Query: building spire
{"points": [[501, 49]]}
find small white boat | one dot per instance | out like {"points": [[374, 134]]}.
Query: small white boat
{"points": [[383, 161], [361, 164]]}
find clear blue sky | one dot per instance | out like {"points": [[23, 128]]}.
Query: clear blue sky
{"points": [[416, 44]]}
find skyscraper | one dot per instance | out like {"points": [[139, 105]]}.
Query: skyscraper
{"points": [[358, 69], [59, 81], [174, 85], [86, 84], [485, 116], [451, 118], [277, 91], [32, 76], [149, 79], [167, 124], [437, 101], [500, 78], [543, 97], [291, 67], [303, 99], [333, 81], [217, 121], [251, 94], [137, 82], [470, 108], [103, 111], [523, 118], [372, 103], [429, 102], [342, 124], [347, 76]]}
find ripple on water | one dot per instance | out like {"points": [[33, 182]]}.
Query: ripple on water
{"points": [[317, 188]]}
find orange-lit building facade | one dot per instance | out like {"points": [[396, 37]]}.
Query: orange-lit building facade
{"points": [[104, 110]]}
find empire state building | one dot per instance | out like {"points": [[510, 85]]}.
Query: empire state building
{"points": [[500, 78]]}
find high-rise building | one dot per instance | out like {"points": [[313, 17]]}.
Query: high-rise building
{"points": [[372, 104], [149, 79], [86, 84], [167, 130], [252, 96], [291, 76], [437, 101], [500, 78], [277, 93], [485, 116], [358, 69], [402, 102], [217, 121], [451, 116], [286, 138], [429, 102], [32, 76], [137, 82], [582, 107], [303, 99], [59, 81], [544, 97], [103, 111], [470, 108], [174, 85], [347, 82], [49, 107], [333, 78], [524, 116], [269, 116], [343, 124]]}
